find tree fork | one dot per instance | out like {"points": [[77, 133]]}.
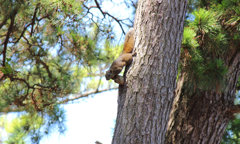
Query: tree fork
{"points": [[202, 116]]}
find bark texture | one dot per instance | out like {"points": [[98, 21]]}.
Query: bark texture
{"points": [[202, 117], [145, 100]]}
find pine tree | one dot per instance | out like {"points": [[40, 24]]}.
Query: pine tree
{"points": [[209, 72], [52, 52]]}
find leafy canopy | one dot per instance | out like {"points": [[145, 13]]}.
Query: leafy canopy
{"points": [[50, 50]]}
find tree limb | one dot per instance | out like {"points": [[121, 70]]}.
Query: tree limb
{"points": [[86, 95], [235, 109], [19, 79], [4, 21], [238, 88], [8, 36], [34, 18], [22, 33], [9, 15]]}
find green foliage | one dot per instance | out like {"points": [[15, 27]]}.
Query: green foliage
{"points": [[205, 44], [19, 128], [52, 51], [205, 75], [7, 69], [33, 126], [210, 33], [54, 118], [232, 134], [230, 10], [204, 21], [189, 40], [112, 52]]}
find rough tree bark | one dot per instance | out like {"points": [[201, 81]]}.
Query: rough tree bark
{"points": [[145, 101], [202, 117]]}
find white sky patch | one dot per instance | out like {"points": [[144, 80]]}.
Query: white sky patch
{"points": [[90, 120]]}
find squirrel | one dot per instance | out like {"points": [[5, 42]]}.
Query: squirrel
{"points": [[124, 59]]}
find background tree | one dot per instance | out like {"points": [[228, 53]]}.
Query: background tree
{"points": [[210, 68]]}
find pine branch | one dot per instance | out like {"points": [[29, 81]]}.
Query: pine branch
{"points": [[13, 108]]}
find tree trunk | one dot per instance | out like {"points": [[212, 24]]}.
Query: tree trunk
{"points": [[201, 117], [145, 101]]}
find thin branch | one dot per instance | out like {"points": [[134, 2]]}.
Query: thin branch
{"points": [[42, 86], [7, 16], [46, 16], [38, 60], [4, 21], [99, 82], [97, 142], [20, 79], [235, 109], [45, 66], [105, 13], [34, 102], [98, 6], [22, 33], [86, 95], [34, 18], [90, 7], [11, 108], [118, 21], [10, 28], [238, 87]]}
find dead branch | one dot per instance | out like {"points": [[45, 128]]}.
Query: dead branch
{"points": [[86, 95], [235, 109]]}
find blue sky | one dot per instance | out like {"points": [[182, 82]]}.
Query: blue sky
{"points": [[88, 120]]}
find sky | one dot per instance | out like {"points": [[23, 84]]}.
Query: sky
{"points": [[89, 120]]}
